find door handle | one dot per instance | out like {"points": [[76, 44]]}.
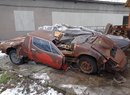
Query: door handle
{"points": [[34, 50]]}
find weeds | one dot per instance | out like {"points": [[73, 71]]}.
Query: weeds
{"points": [[4, 78]]}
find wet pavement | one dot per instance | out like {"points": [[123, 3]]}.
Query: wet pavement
{"points": [[71, 82]]}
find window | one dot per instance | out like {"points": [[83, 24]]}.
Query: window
{"points": [[45, 45], [125, 20], [41, 44], [54, 50], [24, 20]]}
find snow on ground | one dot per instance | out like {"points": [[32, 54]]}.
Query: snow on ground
{"points": [[34, 88], [104, 90], [2, 55], [42, 77], [78, 89], [51, 91]]}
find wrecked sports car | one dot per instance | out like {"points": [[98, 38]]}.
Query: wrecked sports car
{"points": [[90, 51]]}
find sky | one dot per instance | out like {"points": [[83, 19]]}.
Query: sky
{"points": [[115, 0]]}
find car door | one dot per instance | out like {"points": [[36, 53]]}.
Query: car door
{"points": [[46, 52]]}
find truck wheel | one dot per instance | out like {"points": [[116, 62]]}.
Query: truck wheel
{"points": [[14, 58], [87, 65]]}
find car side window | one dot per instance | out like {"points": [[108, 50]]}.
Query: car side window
{"points": [[41, 44], [54, 50]]}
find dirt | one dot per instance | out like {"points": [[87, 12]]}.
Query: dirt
{"points": [[71, 82]]}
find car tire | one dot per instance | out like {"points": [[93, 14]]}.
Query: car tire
{"points": [[88, 65], [14, 58]]}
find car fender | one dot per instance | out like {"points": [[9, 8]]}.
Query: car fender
{"points": [[91, 53]]}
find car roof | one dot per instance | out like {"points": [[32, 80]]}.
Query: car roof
{"points": [[48, 35]]}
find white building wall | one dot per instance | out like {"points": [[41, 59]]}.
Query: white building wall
{"points": [[19, 17], [87, 19]]}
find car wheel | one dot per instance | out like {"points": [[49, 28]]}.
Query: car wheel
{"points": [[87, 65], [15, 59]]}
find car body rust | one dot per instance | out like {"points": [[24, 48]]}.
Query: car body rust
{"points": [[99, 51]]}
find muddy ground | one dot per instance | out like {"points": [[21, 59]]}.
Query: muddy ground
{"points": [[38, 79]]}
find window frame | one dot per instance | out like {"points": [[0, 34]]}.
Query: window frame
{"points": [[50, 45]]}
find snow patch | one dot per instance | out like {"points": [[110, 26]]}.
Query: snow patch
{"points": [[78, 89], [20, 76], [33, 90], [42, 77], [13, 91], [2, 55], [51, 91]]}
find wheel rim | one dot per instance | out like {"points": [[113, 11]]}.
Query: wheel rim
{"points": [[15, 58], [86, 67]]}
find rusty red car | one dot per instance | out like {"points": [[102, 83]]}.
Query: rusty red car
{"points": [[89, 51]]}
